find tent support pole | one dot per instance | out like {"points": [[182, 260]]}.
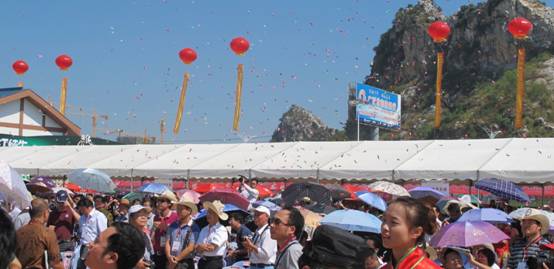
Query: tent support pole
{"points": [[132, 181], [188, 180], [542, 197]]}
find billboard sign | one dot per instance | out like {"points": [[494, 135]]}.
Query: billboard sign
{"points": [[378, 107]]}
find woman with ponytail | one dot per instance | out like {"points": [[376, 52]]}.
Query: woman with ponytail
{"points": [[403, 230]]}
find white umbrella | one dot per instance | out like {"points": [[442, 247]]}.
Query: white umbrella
{"points": [[12, 186], [387, 187], [92, 179]]}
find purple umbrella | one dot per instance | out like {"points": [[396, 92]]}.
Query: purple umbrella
{"points": [[41, 185], [467, 234], [423, 192]]}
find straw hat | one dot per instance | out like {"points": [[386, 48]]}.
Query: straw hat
{"points": [[537, 215], [169, 195], [217, 207], [188, 203]]}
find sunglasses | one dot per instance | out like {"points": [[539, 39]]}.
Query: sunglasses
{"points": [[277, 221]]}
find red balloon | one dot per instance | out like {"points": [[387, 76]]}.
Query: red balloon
{"points": [[240, 45], [520, 27], [64, 62], [20, 67], [187, 55], [439, 31]]}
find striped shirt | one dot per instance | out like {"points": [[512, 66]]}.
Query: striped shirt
{"points": [[520, 251]]}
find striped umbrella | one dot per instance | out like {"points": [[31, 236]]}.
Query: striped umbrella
{"points": [[503, 189]]}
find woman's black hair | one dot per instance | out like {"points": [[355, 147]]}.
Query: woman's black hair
{"points": [[7, 239], [491, 257], [418, 215]]}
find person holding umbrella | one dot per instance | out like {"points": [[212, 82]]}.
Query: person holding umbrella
{"points": [[534, 225], [212, 240], [404, 226]]}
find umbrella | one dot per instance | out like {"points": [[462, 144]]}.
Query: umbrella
{"points": [[155, 188], [520, 213], [467, 234], [338, 192], [12, 186], [353, 220], [263, 192], [57, 189], [93, 179], [297, 191], [227, 208], [311, 219], [227, 197], [373, 200], [132, 196], [470, 199], [491, 215], [270, 205], [502, 188], [387, 187], [189, 195], [41, 185], [320, 208], [424, 192]]}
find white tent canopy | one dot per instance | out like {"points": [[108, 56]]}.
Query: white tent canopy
{"points": [[523, 160], [518, 159], [450, 159], [371, 159]]}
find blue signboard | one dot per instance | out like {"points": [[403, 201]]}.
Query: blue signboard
{"points": [[378, 107]]}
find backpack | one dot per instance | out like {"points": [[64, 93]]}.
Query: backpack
{"points": [[332, 246]]}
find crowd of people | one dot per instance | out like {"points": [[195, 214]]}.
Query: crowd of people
{"points": [[164, 231]]}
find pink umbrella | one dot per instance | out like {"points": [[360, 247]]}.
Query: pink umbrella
{"points": [[226, 196], [189, 195], [467, 234]]}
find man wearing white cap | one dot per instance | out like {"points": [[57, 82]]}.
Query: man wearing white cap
{"points": [[534, 225], [262, 249]]}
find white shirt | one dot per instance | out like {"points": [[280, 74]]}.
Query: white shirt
{"points": [[267, 247], [217, 235], [21, 220], [251, 194], [91, 226]]}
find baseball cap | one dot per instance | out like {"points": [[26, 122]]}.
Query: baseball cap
{"points": [[61, 196], [137, 208], [263, 209]]}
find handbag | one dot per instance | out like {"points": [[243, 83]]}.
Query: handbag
{"points": [[187, 262]]}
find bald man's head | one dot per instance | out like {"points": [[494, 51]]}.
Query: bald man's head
{"points": [[38, 207]]}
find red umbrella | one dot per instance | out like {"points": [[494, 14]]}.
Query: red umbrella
{"points": [[203, 187], [226, 196], [264, 192]]}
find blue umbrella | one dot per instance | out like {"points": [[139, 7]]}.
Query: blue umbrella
{"points": [[156, 188], [226, 208], [503, 189], [373, 200], [353, 220], [422, 192], [491, 215]]}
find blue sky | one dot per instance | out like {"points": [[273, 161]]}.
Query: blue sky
{"points": [[126, 61]]}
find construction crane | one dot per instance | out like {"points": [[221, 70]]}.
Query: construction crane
{"points": [[83, 113], [122, 133]]}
